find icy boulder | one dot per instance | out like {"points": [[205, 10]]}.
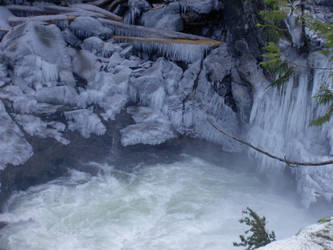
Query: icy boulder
{"points": [[34, 126], [167, 18], [4, 15], [57, 95], [84, 64], [84, 27], [148, 82], [36, 39], [86, 122], [14, 148], [151, 128], [100, 48]]}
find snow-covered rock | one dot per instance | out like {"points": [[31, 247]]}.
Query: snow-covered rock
{"points": [[315, 237], [14, 148], [85, 26], [150, 127], [167, 18]]}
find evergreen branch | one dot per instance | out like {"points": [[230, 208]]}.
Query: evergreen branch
{"points": [[258, 237], [283, 79], [322, 119]]}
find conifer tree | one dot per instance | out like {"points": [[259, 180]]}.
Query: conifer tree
{"points": [[258, 234]]}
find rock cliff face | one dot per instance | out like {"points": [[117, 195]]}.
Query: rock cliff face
{"points": [[70, 84]]}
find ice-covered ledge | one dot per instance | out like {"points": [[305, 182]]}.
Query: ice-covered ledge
{"points": [[315, 237]]}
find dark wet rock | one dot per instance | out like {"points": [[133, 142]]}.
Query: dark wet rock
{"points": [[240, 19]]}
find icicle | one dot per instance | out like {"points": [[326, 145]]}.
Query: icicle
{"points": [[86, 122], [132, 15], [122, 29], [176, 49]]}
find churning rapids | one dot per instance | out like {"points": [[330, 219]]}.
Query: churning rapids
{"points": [[191, 203]]}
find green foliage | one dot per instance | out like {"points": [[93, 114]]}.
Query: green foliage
{"points": [[324, 97], [276, 65], [325, 219], [275, 4], [258, 235], [273, 17]]}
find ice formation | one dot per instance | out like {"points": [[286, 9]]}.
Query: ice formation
{"points": [[280, 121], [150, 128], [14, 147], [56, 89]]}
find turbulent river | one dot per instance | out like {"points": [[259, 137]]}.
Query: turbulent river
{"points": [[191, 203]]}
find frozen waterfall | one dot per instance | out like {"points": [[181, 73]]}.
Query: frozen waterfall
{"points": [[280, 121]]}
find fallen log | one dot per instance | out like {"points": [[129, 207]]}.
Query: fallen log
{"points": [[17, 9], [122, 29], [92, 8], [52, 9], [179, 49], [288, 162], [45, 18]]}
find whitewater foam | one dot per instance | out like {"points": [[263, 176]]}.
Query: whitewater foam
{"points": [[189, 204]]}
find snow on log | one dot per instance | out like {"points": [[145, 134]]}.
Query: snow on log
{"points": [[45, 18], [174, 45], [122, 29], [92, 8], [23, 10]]}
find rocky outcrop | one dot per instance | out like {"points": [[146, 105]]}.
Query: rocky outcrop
{"points": [[68, 86], [315, 237]]}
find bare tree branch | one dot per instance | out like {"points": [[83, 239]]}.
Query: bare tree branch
{"points": [[289, 163]]}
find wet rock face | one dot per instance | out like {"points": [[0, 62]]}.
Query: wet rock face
{"points": [[240, 19]]}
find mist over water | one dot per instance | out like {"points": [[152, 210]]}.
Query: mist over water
{"points": [[190, 204]]}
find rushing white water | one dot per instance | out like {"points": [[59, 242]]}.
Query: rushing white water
{"points": [[189, 204]]}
